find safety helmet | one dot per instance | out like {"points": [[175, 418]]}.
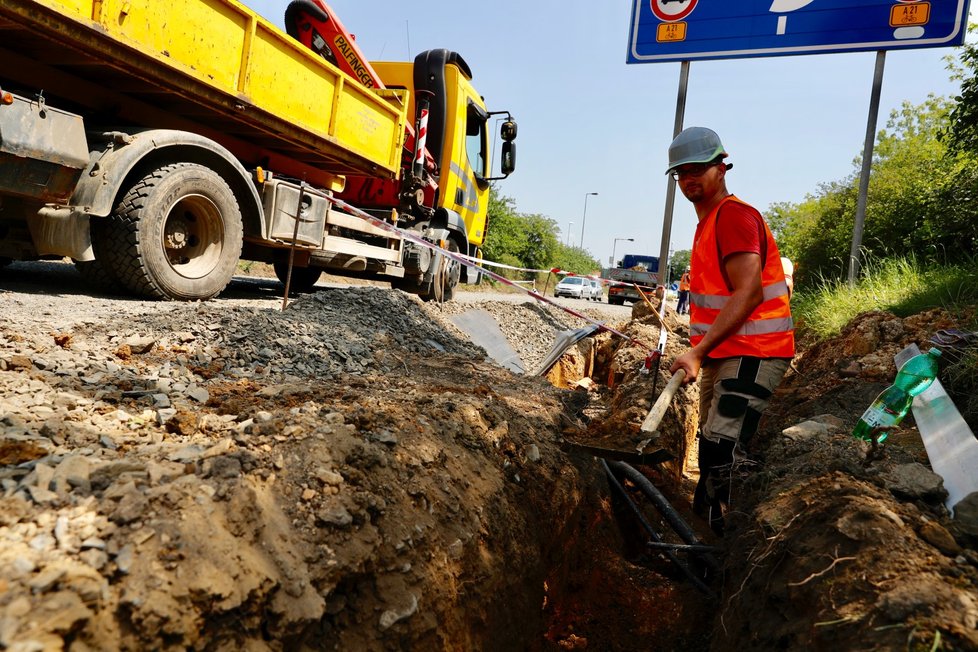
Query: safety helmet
{"points": [[694, 145]]}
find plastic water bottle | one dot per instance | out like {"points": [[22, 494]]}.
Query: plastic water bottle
{"points": [[894, 402]]}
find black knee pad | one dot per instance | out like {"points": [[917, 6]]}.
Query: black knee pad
{"points": [[732, 405]]}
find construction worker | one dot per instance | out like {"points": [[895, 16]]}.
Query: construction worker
{"points": [[740, 325], [682, 307]]}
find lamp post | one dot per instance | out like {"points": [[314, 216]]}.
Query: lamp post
{"points": [[584, 219], [615, 245], [567, 239]]}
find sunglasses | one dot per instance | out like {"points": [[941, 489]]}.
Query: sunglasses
{"points": [[692, 170]]}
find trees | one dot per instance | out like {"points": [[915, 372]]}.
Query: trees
{"points": [[920, 200], [529, 240]]}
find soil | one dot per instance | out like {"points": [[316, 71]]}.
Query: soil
{"points": [[352, 473]]}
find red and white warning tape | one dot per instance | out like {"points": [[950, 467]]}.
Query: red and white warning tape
{"points": [[470, 262]]}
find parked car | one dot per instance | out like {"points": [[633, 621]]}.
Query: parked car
{"points": [[579, 287], [597, 290]]}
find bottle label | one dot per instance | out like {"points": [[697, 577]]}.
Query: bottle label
{"points": [[878, 415]]}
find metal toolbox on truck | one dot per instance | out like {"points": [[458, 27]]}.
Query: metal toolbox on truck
{"points": [[282, 207], [42, 150]]}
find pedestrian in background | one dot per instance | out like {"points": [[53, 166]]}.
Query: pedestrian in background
{"points": [[740, 323], [682, 307]]}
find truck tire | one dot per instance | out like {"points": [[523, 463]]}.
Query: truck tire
{"points": [[303, 278], [175, 234], [446, 277]]}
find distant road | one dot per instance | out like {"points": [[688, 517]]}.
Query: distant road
{"points": [[60, 277]]}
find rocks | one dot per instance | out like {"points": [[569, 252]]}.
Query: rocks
{"points": [[916, 481], [966, 515], [148, 444]]}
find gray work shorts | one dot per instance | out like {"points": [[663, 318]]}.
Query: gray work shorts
{"points": [[734, 393]]}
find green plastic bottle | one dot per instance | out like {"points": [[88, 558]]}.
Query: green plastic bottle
{"points": [[894, 402]]}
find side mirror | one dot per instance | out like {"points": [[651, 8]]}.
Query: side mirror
{"points": [[508, 131], [508, 163]]}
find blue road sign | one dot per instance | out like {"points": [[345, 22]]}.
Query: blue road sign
{"points": [[683, 30]]}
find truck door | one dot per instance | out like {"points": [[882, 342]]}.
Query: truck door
{"points": [[465, 156]]}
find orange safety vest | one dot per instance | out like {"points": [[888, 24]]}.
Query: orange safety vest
{"points": [[684, 282], [769, 330]]}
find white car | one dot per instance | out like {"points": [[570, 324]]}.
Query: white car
{"points": [[579, 287]]}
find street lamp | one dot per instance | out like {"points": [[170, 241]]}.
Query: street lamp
{"points": [[567, 239], [615, 245], [584, 219]]}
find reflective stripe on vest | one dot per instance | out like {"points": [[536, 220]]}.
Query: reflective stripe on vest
{"points": [[754, 327], [718, 301], [769, 330]]}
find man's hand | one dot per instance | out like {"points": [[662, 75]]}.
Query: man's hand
{"points": [[690, 362]]}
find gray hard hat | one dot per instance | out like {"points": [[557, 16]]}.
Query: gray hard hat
{"points": [[695, 145]]}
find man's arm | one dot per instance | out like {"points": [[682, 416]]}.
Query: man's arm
{"points": [[744, 271]]}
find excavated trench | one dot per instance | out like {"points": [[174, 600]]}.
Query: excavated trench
{"points": [[630, 578], [349, 474], [346, 474]]}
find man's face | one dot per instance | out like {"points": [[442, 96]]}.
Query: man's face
{"points": [[699, 181]]}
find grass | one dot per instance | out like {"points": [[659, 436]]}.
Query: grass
{"points": [[901, 286]]}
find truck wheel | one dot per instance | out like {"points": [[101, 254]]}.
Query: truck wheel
{"points": [[446, 276], [444, 279], [175, 234], [303, 278]]}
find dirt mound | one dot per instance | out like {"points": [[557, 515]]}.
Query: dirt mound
{"points": [[839, 545], [343, 474]]}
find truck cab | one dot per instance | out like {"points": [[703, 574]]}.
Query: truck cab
{"points": [[457, 133]]}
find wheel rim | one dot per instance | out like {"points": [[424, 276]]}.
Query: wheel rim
{"points": [[193, 236]]}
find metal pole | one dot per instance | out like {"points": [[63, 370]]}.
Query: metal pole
{"points": [[874, 109], [295, 237], [584, 219], [614, 246], [671, 184]]}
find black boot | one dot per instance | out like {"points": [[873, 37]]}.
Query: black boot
{"points": [[712, 490]]}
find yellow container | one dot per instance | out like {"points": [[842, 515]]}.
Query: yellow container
{"points": [[219, 56]]}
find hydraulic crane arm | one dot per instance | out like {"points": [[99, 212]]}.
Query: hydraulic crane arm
{"points": [[313, 23]]}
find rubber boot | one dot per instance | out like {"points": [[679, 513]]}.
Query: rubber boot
{"points": [[712, 490]]}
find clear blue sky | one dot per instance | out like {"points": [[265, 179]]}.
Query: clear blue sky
{"points": [[590, 123]]}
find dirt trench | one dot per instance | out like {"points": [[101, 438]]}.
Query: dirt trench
{"points": [[346, 474], [349, 474]]}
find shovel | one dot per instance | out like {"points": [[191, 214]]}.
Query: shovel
{"points": [[651, 423]]}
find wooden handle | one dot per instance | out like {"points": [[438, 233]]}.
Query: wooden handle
{"points": [[651, 423]]}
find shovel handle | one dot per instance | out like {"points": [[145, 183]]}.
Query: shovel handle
{"points": [[651, 423]]}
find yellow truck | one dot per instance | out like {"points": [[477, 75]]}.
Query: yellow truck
{"points": [[158, 142]]}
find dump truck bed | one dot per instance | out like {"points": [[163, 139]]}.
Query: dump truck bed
{"points": [[210, 66]]}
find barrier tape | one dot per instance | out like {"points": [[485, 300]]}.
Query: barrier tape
{"points": [[479, 262], [466, 260]]}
